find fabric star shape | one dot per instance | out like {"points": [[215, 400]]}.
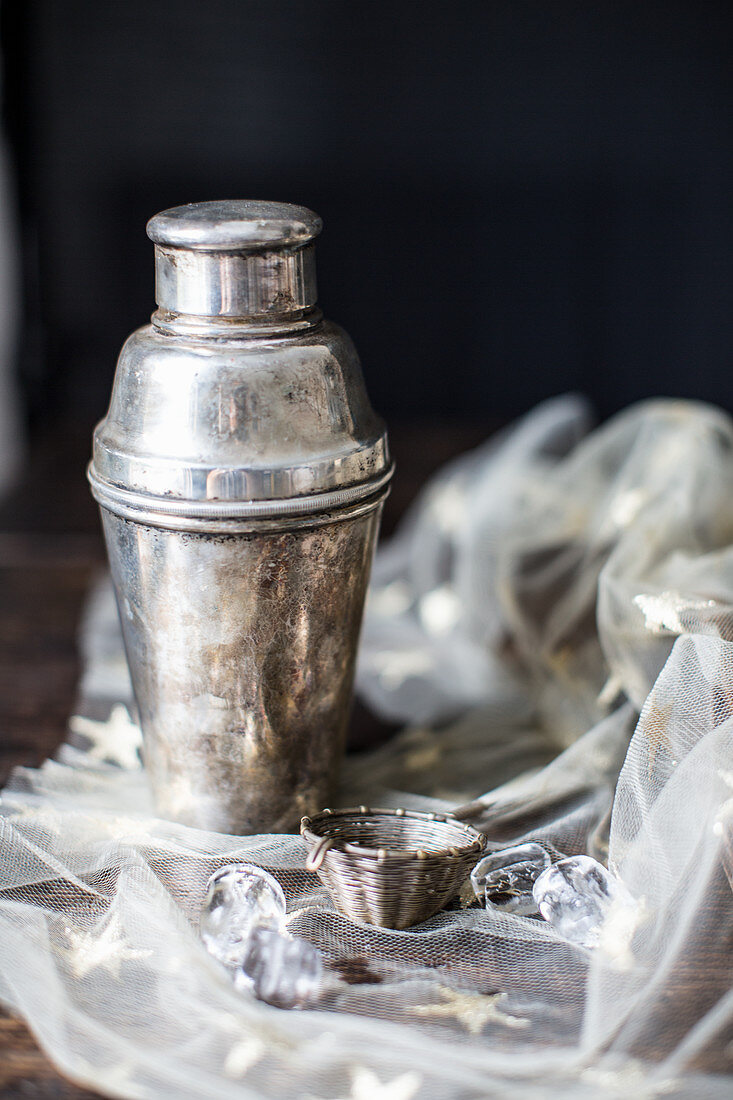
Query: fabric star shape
{"points": [[119, 1079], [365, 1085], [726, 776], [89, 951], [668, 613], [472, 1010], [116, 741], [131, 829], [394, 666], [242, 1056]]}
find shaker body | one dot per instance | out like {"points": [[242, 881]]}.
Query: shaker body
{"points": [[241, 650]]}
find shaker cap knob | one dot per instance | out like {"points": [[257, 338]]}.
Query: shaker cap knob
{"points": [[235, 259], [234, 225]]}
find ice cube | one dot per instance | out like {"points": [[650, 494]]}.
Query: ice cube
{"points": [[577, 895], [505, 879], [285, 971], [240, 898]]}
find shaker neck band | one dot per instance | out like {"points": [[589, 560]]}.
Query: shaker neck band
{"points": [[271, 326], [277, 285]]}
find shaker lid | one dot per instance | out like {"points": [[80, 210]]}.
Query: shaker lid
{"points": [[235, 259], [234, 225]]}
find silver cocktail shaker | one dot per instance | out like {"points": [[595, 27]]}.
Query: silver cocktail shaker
{"points": [[241, 473]]}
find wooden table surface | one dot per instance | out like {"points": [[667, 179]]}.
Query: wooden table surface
{"points": [[50, 551]]}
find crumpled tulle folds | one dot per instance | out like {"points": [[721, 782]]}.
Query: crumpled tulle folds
{"points": [[553, 623]]}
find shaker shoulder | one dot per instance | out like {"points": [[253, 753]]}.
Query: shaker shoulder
{"points": [[267, 417]]}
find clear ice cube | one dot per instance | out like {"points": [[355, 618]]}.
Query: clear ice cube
{"points": [[505, 879], [577, 895], [285, 971], [239, 899]]}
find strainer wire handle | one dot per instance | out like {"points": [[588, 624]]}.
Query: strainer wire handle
{"points": [[317, 856]]}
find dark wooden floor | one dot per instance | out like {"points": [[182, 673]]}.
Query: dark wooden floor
{"points": [[50, 550]]}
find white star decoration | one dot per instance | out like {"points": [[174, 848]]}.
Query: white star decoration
{"points": [[130, 829], [664, 613], [365, 1085], [116, 741], [243, 1055], [118, 1079], [473, 1010], [394, 666], [89, 950], [726, 776]]}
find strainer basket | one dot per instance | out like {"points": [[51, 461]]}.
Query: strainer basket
{"points": [[392, 868]]}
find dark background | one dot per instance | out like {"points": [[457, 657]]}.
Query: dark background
{"points": [[519, 198]]}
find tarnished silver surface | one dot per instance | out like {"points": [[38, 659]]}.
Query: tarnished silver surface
{"points": [[241, 473], [241, 650]]}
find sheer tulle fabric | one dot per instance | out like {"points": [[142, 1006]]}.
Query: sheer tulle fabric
{"points": [[554, 626]]}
